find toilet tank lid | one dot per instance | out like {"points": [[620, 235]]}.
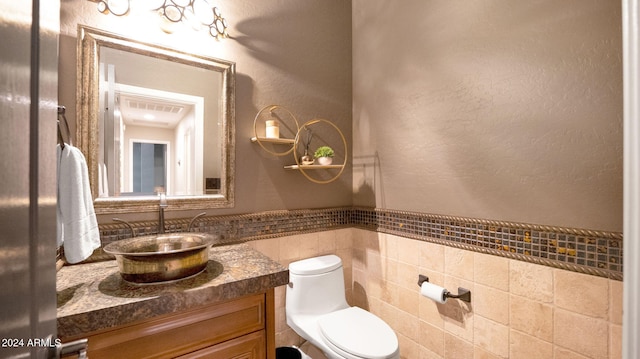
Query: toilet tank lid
{"points": [[316, 265]]}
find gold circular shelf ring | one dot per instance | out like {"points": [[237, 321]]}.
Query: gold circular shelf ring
{"points": [[295, 152], [271, 108]]}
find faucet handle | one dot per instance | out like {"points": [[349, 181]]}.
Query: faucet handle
{"points": [[193, 220], [133, 233]]}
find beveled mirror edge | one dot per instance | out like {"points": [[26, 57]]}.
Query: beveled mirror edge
{"points": [[88, 46]]}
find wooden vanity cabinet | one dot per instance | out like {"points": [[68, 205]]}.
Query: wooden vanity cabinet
{"points": [[240, 328]]}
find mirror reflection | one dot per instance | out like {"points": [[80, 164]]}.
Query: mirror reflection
{"points": [[153, 136], [155, 120]]}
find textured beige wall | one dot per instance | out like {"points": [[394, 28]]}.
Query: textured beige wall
{"points": [[492, 109], [498, 110], [518, 309], [292, 53]]}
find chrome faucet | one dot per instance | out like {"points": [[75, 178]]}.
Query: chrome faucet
{"points": [[162, 206]]}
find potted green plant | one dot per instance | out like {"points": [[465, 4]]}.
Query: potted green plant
{"points": [[324, 155]]}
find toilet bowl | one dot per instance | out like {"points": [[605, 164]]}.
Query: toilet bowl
{"points": [[316, 309]]}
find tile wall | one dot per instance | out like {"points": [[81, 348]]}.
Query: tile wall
{"points": [[537, 291], [518, 309]]}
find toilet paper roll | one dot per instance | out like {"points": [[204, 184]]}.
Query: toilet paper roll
{"points": [[433, 292]]}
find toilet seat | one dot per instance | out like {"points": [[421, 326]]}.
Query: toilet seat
{"points": [[356, 333]]}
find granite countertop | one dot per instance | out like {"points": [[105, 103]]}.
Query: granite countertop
{"points": [[93, 296]]}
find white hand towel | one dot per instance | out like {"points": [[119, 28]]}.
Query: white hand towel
{"points": [[77, 223]]}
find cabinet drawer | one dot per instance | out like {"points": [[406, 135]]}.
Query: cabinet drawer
{"points": [[250, 346], [177, 334]]}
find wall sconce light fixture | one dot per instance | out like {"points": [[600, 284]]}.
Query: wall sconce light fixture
{"points": [[197, 13], [116, 7]]}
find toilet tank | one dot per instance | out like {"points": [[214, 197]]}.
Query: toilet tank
{"points": [[316, 286]]}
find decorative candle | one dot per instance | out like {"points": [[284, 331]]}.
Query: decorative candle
{"points": [[273, 129]]}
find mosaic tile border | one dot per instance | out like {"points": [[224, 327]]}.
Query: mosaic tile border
{"points": [[585, 251], [592, 252], [244, 227]]}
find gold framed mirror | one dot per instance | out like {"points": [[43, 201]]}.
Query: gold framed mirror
{"points": [[152, 119]]}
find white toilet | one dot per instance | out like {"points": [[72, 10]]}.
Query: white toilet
{"points": [[316, 309]]}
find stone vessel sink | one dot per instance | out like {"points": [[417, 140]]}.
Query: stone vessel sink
{"points": [[161, 257]]}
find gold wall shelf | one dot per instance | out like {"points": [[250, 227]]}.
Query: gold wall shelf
{"points": [[313, 167], [262, 140], [294, 143], [277, 141], [303, 168]]}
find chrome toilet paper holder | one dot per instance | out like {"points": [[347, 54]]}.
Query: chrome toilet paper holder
{"points": [[464, 294]]}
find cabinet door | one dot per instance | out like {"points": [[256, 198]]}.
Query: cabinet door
{"points": [[250, 346], [184, 332]]}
